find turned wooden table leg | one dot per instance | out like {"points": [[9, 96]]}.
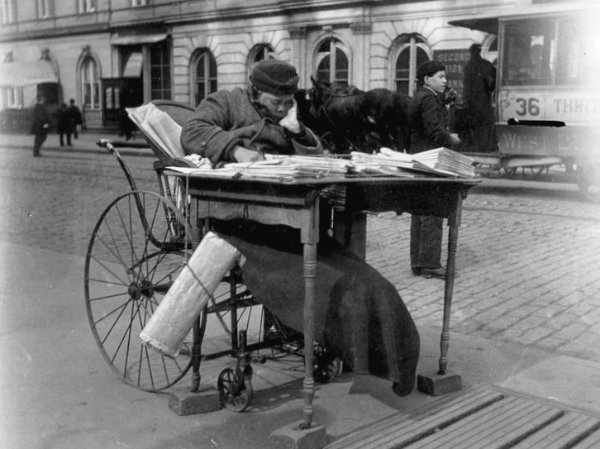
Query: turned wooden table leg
{"points": [[310, 270], [453, 225], [448, 289]]}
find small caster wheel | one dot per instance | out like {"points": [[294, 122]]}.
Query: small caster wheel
{"points": [[235, 393], [326, 373], [327, 366]]}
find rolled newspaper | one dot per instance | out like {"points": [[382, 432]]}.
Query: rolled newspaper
{"points": [[168, 326]]}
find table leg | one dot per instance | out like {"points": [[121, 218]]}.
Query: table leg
{"points": [[443, 381], [453, 224], [448, 289], [310, 272]]}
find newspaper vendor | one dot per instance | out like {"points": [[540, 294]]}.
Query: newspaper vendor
{"points": [[357, 311]]}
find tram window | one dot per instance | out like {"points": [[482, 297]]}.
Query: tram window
{"points": [[573, 53], [530, 53]]}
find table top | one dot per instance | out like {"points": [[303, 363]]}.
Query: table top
{"points": [[199, 175]]}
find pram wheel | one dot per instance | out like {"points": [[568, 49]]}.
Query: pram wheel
{"points": [[235, 389], [136, 251]]}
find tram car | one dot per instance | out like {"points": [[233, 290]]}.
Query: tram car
{"points": [[548, 91]]}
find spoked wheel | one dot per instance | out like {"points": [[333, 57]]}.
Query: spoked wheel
{"points": [[235, 389], [136, 251]]}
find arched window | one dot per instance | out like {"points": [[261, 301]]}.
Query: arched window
{"points": [[204, 75], [332, 62], [412, 52], [260, 52], [90, 84]]}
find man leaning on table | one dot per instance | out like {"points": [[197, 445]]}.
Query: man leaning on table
{"points": [[358, 313], [242, 124]]}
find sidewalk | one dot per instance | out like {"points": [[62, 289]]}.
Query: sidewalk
{"points": [[57, 379], [87, 142]]}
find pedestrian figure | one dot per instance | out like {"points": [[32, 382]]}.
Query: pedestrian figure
{"points": [[40, 125], [479, 81], [428, 131], [76, 118], [64, 125], [126, 125]]}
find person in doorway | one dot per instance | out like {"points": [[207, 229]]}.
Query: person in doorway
{"points": [[40, 125], [63, 125], [126, 125], [429, 131], [479, 78], [358, 313], [76, 118]]}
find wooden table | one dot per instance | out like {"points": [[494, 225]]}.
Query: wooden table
{"points": [[297, 204]]}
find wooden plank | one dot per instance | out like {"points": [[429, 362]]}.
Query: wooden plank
{"points": [[561, 433], [402, 427], [592, 441], [481, 429], [480, 419]]}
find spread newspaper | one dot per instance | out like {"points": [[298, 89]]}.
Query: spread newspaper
{"points": [[159, 128]]}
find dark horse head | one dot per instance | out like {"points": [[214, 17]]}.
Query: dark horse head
{"points": [[349, 119], [333, 112], [387, 116]]}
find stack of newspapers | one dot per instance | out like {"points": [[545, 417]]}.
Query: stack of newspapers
{"points": [[447, 161], [277, 167], [437, 162], [440, 162]]}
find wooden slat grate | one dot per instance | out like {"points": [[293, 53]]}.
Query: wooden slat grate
{"points": [[479, 419]]}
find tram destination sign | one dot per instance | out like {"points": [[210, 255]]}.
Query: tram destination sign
{"points": [[565, 105], [454, 61]]}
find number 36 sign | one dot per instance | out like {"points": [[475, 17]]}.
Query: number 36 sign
{"points": [[561, 105]]}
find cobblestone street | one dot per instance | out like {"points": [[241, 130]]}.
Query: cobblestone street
{"points": [[528, 270]]}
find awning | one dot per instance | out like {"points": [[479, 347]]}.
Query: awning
{"points": [[25, 73], [137, 39], [133, 66], [486, 24]]}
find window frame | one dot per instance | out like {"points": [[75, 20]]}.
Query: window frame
{"points": [[525, 35], [7, 11], [413, 43], [13, 96], [45, 9], [86, 6], [260, 52], [89, 66], [209, 66], [163, 90], [336, 47]]}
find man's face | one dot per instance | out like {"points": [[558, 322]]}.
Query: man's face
{"points": [[276, 106], [437, 81]]}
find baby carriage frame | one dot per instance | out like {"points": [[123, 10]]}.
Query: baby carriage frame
{"points": [[139, 245]]}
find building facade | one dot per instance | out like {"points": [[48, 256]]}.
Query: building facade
{"points": [[111, 54]]}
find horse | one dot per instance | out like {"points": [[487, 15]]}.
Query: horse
{"points": [[349, 119]]}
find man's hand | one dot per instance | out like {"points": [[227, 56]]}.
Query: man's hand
{"points": [[455, 140], [241, 154], [290, 121]]}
